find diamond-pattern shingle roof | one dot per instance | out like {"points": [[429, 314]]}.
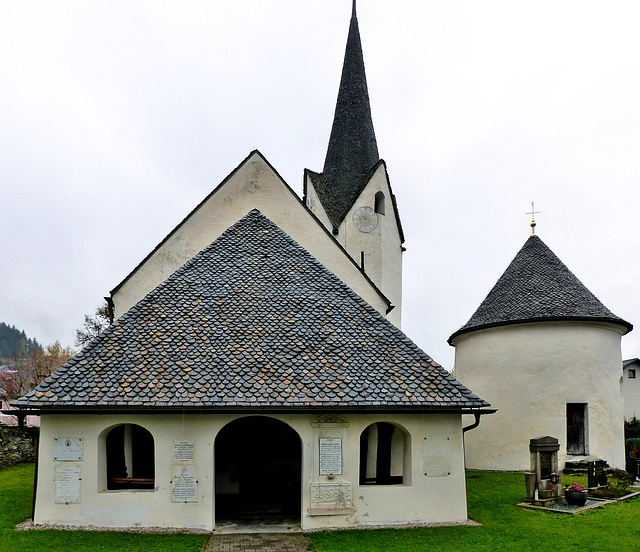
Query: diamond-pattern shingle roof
{"points": [[253, 320], [538, 286]]}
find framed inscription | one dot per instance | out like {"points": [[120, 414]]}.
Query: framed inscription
{"points": [[67, 449], [184, 483], [184, 452], [67, 478], [330, 456]]}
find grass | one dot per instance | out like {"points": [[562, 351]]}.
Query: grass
{"points": [[16, 489], [492, 499], [505, 526]]}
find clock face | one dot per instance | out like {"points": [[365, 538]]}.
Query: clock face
{"points": [[365, 219]]}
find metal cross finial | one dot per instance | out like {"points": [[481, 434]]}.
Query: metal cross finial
{"points": [[533, 213]]}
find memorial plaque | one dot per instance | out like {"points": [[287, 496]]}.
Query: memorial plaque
{"points": [[67, 478], [184, 483], [67, 449], [330, 456], [184, 452], [436, 456]]}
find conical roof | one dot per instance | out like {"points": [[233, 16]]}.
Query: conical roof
{"points": [[538, 286], [353, 151], [253, 321]]}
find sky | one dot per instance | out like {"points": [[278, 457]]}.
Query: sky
{"points": [[118, 117]]}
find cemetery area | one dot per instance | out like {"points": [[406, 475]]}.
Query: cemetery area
{"points": [[493, 499]]}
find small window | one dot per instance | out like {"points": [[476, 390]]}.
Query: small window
{"points": [[379, 203], [632, 373], [382, 455], [130, 458]]}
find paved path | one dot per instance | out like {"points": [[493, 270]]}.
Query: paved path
{"points": [[258, 542]]}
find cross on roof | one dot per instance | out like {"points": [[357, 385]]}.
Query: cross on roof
{"points": [[533, 213]]}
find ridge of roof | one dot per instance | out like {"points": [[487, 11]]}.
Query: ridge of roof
{"points": [[252, 321], [352, 149], [538, 286]]}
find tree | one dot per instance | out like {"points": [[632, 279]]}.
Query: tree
{"points": [[93, 325], [32, 368]]}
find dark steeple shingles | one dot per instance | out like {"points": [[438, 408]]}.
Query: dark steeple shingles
{"points": [[352, 151], [538, 286], [253, 320]]}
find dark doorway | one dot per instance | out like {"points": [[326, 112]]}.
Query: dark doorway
{"points": [[258, 470], [577, 428]]}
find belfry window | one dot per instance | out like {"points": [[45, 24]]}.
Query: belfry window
{"points": [[130, 458], [383, 455], [379, 203]]}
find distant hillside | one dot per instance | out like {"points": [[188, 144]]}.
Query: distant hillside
{"points": [[14, 342]]}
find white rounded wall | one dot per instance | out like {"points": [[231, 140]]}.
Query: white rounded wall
{"points": [[530, 372]]}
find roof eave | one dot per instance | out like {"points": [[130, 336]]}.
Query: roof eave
{"points": [[617, 321]]}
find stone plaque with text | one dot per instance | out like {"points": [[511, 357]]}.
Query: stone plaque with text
{"points": [[184, 452], [67, 478], [67, 449], [330, 456], [184, 483]]}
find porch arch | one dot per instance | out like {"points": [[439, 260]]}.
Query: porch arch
{"points": [[258, 465]]}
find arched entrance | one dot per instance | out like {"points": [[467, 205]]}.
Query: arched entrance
{"points": [[258, 471]]}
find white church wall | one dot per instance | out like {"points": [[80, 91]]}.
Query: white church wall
{"points": [[382, 247], [631, 390], [433, 445], [530, 372], [254, 185]]}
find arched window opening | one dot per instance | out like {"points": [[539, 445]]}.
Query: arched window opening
{"points": [[379, 203], [382, 455], [130, 458]]}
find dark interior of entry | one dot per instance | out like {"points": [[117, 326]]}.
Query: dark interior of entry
{"points": [[258, 469]]}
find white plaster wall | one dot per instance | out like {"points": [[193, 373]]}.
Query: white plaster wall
{"points": [[529, 372], [254, 185], [382, 246], [631, 392], [421, 499]]}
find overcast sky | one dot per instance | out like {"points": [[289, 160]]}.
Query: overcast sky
{"points": [[118, 117]]}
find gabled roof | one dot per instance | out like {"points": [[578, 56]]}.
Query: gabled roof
{"points": [[352, 150], [630, 361], [537, 286], [252, 321]]}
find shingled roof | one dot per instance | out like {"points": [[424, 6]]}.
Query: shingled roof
{"points": [[538, 286], [252, 321], [353, 151]]}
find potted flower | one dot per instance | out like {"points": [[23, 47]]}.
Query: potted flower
{"points": [[575, 494]]}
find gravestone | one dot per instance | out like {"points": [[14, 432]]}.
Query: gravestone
{"points": [[597, 474], [543, 482]]}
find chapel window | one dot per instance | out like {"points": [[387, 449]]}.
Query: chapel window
{"points": [[632, 373], [130, 452], [379, 203], [384, 455]]}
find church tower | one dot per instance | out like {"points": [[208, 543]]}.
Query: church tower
{"points": [[352, 195]]}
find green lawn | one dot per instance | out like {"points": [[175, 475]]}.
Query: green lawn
{"points": [[492, 499], [16, 490], [505, 526]]}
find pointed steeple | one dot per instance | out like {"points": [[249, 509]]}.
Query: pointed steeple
{"points": [[352, 151]]}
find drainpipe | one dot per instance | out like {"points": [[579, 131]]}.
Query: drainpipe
{"points": [[474, 424]]}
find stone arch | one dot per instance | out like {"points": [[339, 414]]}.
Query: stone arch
{"points": [[385, 454], [258, 470]]}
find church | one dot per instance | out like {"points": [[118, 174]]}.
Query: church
{"points": [[255, 367], [547, 354]]}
